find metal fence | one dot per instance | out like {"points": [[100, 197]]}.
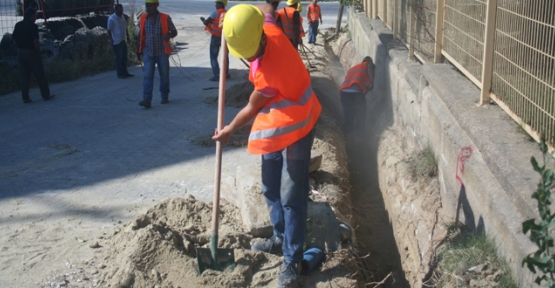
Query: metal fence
{"points": [[505, 47], [8, 16]]}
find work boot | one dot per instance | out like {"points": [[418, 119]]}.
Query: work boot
{"points": [[289, 275], [49, 97], [272, 245], [145, 104], [215, 79]]}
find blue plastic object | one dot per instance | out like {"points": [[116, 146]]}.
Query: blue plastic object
{"points": [[311, 259]]}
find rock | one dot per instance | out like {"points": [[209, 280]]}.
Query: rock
{"points": [[94, 245], [315, 160], [322, 229], [128, 281], [478, 268]]}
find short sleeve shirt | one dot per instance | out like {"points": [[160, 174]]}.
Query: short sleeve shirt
{"points": [[118, 28], [24, 34], [154, 43]]}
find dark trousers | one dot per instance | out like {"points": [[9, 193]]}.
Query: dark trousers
{"points": [[215, 44], [120, 55], [30, 62], [354, 112], [312, 31]]}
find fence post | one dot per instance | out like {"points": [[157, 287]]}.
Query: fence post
{"points": [[440, 11], [384, 20], [412, 29], [395, 20], [487, 63]]}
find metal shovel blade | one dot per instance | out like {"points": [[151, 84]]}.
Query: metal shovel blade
{"points": [[225, 260]]}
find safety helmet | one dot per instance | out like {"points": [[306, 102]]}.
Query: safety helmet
{"points": [[367, 58], [222, 1], [299, 7], [291, 2], [151, 1], [243, 30]]}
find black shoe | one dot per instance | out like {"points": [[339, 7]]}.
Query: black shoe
{"points": [[49, 97], [215, 79], [272, 245], [289, 275], [129, 75], [165, 101], [27, 101], [145, 104]]}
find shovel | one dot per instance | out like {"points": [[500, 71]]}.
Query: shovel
{"points": [[214, 258]]}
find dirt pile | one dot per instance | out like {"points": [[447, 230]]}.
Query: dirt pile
{"points": [[158, 249]]}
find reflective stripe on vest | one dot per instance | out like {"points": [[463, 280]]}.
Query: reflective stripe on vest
{"points": [[281, 131], [357, 75], [287, 22], [165, 30], [214, 26], [314, 13], [292, 113]]}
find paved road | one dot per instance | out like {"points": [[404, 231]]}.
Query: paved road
{"points": [[92, 157]]}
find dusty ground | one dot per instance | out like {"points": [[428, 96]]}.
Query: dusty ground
{"points": [[156, 248]]}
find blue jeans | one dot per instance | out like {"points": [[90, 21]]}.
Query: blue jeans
{"points": [[120, 53], [312, 31], [285, 186], [163, 62], [215, 43], [354, 112]]}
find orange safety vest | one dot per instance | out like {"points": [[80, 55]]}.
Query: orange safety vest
{"points": [[214, 26], [358, 75], [313, 12], [293, 111], [286, 16], [165, 30]]}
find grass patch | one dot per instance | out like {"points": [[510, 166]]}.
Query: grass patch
{"points": [[423, 163], [467, 258]]}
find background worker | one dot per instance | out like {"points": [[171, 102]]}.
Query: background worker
{"points": [[290, 21], [118, 35], [29, 58], [358, 81], [156, 30], [285, 111], [213, 25], [313, 13]]}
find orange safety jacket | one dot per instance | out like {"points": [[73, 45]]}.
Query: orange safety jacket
{"points": [[358, 75], [286, 16], [165, 30], [313, 12], [293, 111], [214, 26]]}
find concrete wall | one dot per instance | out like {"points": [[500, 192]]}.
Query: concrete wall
{"points": [[485, 174]]}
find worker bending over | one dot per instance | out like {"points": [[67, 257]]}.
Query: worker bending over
{"points": [[285, 111]]}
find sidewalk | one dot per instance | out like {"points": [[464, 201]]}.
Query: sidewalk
{"points": [[93, 156]]}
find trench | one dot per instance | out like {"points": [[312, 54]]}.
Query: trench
{"points": [[372, 225]]}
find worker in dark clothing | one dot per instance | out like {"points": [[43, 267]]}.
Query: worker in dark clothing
{"points": [[26, 37]]}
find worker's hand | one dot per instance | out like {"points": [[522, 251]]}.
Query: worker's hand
{"points": [[222, 135], [203, 20], [321, 21], [167, 37]]}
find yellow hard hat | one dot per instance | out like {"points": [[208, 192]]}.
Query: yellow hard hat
{"points": [[299, 7], [291, 2], [151, 1], [222, 1], [243, 30]]}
